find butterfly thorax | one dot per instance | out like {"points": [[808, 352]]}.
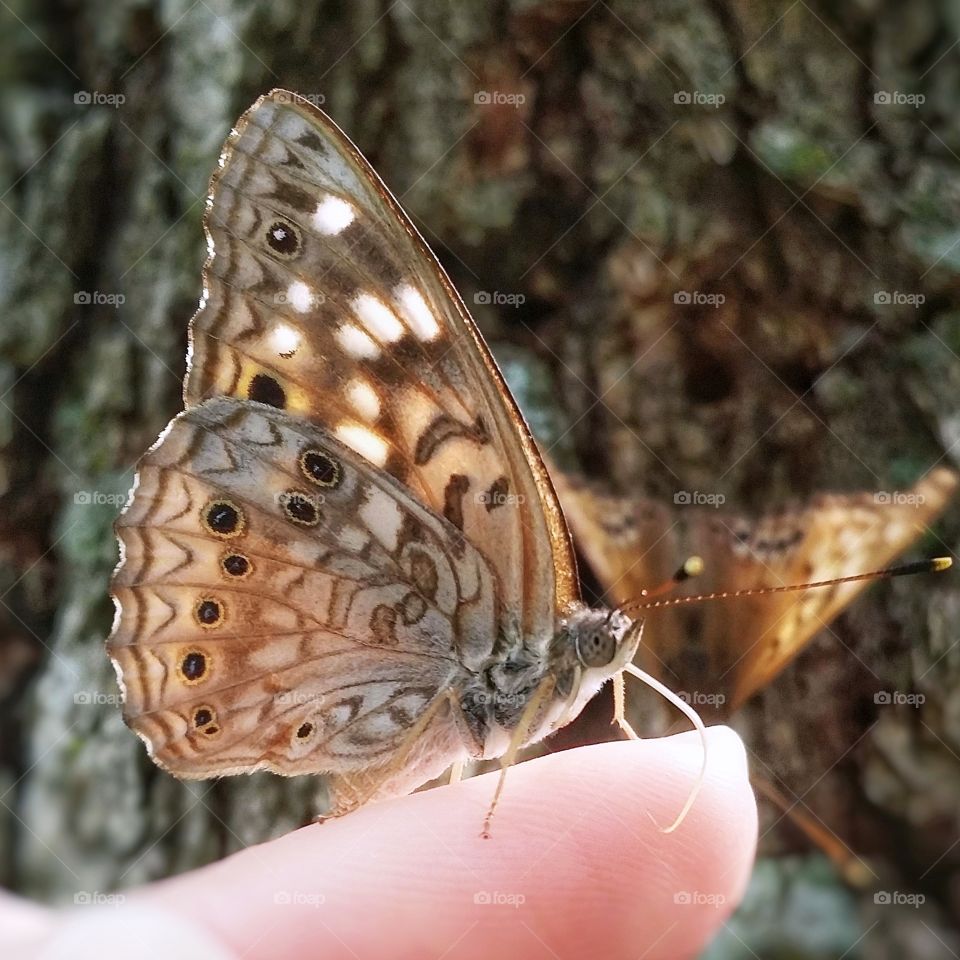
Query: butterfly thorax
{"points": [[587, 649]]}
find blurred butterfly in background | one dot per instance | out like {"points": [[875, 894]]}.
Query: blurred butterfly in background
{"points": [[729, 650], [345, 556]]}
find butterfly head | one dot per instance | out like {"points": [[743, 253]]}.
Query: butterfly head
{"points": [[603, 640]]}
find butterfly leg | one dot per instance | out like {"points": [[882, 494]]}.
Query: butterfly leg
{"points": [[620, 706], [456, 772], [516, 742]]}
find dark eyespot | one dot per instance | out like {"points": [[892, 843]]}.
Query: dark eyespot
{"points": [[596, 648], [304, 731], [193, 666], [236, 565], [320, 468], [209, 612], [283, 238], [223, 518], [202, 716], [300, 509], [266, 389]]}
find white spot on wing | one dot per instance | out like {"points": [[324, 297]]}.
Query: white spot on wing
{"points": [[300, 296], [382, 517], [284, 340], [333, 215], [378, 318], [415, 311], [363, 398], [369, 445], [357, 343]]}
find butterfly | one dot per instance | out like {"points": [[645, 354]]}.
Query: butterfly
{"points": [[345, 556], [722, 653]]}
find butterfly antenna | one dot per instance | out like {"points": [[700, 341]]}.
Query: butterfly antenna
{"points": [[933, 565], [694, 718], [691, 567]]}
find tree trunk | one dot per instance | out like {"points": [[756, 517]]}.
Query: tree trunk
{"points": [[790, 169]]}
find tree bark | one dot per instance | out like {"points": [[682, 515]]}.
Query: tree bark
{"points": [[737, 152]]}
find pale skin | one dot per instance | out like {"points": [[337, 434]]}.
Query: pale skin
{"points": [[576, 866]]}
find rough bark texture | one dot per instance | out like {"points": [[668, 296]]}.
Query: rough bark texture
{"points": [[824, 216]]}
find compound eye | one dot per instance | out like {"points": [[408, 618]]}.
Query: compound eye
{"points": [[596, 648]]}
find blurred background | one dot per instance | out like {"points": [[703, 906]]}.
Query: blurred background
{"points": [[715, 245]]}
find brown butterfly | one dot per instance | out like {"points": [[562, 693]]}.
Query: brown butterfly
{"points": [[724, 652], [345, 556]]}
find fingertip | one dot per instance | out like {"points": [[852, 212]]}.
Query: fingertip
{"points": [[574, 864]]}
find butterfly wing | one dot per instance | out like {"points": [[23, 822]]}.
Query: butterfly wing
{"points": [[322, 299], [751, 640], [737, 647], [284, 605]]}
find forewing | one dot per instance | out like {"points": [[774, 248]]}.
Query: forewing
{"points": [[322, 299]]}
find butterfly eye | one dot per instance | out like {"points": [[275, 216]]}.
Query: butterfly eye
{"points": [[223, 518], [283, 238], [193, 666], [596, 648]]}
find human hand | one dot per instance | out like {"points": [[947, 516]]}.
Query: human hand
{"points": [[575, 867]]}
